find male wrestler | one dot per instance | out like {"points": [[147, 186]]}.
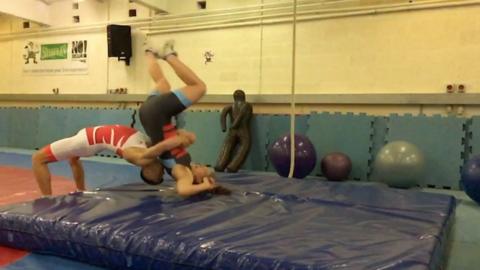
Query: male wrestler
{"points": [[156, 115], [125, 141]]}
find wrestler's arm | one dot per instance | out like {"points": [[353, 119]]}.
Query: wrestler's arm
{"points": [[184, 139], [144, 156], [185, 186]]}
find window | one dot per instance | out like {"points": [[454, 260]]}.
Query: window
{"points": [[132, 13], [202, 4]]}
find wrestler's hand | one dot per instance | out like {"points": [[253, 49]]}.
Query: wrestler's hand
{"points": [[215, 188], [209, 183], [187, 138]]}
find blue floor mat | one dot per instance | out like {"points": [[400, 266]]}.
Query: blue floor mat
{"points": [[43, 262], [99, 172], [268, 223]]}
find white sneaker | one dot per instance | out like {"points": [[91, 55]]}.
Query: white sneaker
{"points": [[167, 49], [154, 52]]}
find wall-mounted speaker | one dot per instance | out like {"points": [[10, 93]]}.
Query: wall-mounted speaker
{"points": [[119, 42]]}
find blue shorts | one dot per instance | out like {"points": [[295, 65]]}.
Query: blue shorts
{"points": [[180, 95]]}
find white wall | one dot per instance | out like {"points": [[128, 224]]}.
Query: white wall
{"points": [[5, 26], [401, 52], [33, 10], [6, 66], [93, 82], [103, 73], [119, 10], [184, 6], [235, 64], [189, 6], [419, 51]]}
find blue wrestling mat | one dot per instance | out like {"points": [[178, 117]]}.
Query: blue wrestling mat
{"points": [[268, 222]]}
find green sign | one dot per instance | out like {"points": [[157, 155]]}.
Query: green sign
{"points": [[54, 51]]}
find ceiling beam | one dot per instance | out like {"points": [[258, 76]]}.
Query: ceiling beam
{"points": [[157, 5], [32, 10]]}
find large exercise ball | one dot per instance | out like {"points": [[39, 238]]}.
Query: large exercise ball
{"points": [[471, 178], [305, 156], [336, 166], [399, 164]]}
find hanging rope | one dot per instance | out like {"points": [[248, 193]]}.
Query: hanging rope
{"points": [[292, 101]]}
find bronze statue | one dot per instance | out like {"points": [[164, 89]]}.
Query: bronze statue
{"points": [[239, 134]]}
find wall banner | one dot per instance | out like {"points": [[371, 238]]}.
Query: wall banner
{"points": [[64, 58]]}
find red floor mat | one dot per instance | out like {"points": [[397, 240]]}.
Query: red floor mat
{"points": [[19, 185], [8, 255]]}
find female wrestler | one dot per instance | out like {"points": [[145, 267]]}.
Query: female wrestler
{"points": [[156, 115]]}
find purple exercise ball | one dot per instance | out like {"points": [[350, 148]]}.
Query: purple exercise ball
{"points": [[305, 156], [471, 178], [336, 166]]}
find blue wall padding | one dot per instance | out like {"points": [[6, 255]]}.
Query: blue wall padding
{"points": [[441, 140], [257, 158], [347, 133], [206, 125], [78, 118], [264, 224], [23, 127], [474, 141], [5, 119], [279, 125], [359, 136], [51, 122], [378, 137], [116, 116], [180, 120], [138, 123]]}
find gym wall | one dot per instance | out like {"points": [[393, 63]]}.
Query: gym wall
{"points": [[398, 52]]}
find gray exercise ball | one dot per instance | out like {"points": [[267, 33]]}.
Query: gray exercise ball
{"points": [[399, 164]]}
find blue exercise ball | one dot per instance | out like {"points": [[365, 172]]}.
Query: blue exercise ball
{"points": [[399, 164], [471, 178], [305, 156]]}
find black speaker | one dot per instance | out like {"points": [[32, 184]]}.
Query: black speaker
{"points": [[119, 42]]}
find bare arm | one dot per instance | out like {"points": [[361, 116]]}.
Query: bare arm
{"points": [[141, 156], [78, 173], [134, 155], [185, 186], [184, 138]]}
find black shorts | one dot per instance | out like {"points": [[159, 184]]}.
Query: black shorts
{"points": [[157, 112]]}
